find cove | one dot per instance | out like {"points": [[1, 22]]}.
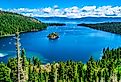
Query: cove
{"points": [[76, 43]]}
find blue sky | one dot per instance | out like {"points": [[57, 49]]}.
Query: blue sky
{"points": [[63, 8], [60, 3]]}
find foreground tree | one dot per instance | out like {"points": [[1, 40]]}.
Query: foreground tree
{"points": [[4, 73]]}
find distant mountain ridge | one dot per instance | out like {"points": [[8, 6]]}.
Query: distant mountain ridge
{"points": [[79, 20]]}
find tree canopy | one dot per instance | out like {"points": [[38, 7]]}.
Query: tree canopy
{"points": [[13, 22], [107, 69]]}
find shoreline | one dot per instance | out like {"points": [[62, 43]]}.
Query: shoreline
{"points": [[49, 24], [11, 35], [111, 27]]}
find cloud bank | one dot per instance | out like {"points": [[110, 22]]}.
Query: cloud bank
{"points": [[72, 12]]}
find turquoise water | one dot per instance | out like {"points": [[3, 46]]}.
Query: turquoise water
{"points": [[76, 43]]}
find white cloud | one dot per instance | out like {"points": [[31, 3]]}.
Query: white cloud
{"points": [[72, 12], [55, 7], [89, 8], [47, 10]]}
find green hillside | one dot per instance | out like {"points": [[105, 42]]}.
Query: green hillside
{"points": [[10, 22]]}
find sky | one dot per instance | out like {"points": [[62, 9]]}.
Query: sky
{"points": [[60, 3], [63, 8]]}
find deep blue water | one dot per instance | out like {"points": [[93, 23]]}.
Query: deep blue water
{"points": [[75, 43]]}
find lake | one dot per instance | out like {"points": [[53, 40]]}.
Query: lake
{"points": [[76, 43]]}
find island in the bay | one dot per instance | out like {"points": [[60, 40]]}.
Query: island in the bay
{"points": [[53, 36], [21, 68]]}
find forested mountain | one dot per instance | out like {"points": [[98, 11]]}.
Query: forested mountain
{"points": [[11, 22], [113, 27], [107, 69]]}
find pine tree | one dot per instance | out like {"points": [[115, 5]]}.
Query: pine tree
{"points": [[80, 71], [61, 71], [53, 73], [29, 70], [12, 64], [41, 76], [4, 73], [118, 75], [23, 59], [90, 69]]}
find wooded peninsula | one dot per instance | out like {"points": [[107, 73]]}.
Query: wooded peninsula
{"points": [[113, 27], [13, 22]]}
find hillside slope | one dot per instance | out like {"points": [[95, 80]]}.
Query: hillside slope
{"points": [[10, 22]]}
